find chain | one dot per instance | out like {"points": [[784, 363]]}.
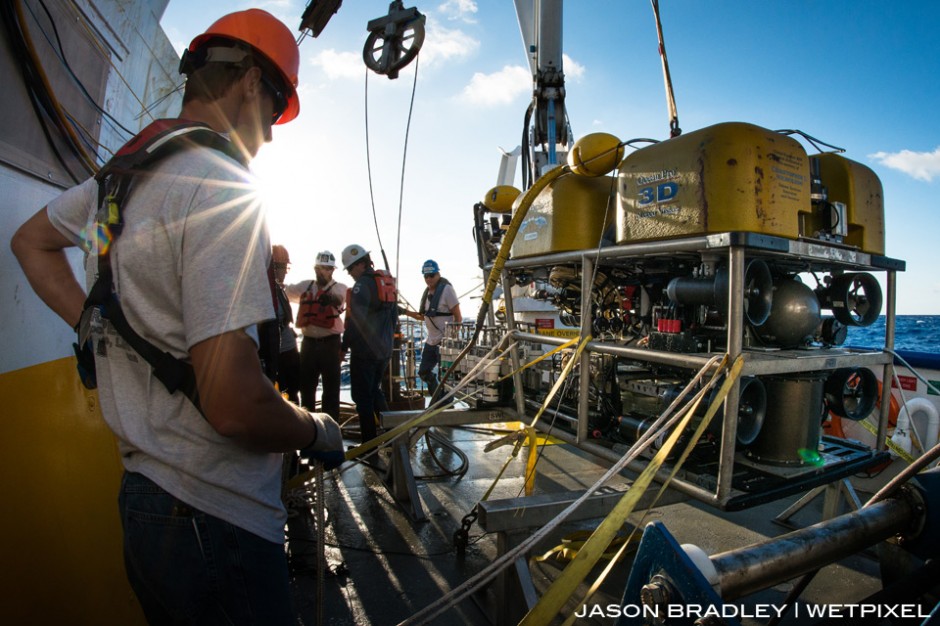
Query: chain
{"points": [[462, 534]]}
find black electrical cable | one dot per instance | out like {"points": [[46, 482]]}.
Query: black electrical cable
{"points": [[528, 177], [20, 52], [448, 473], [61, 55]]}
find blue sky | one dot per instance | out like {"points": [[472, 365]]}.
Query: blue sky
{"points": [[858, 74]]}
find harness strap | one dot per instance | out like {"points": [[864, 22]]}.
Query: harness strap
{"points": [[175, 374], [155, 142], [431, 310]]}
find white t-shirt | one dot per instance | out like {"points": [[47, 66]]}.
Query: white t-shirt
{"points": [[435, 325], [191, 264]]}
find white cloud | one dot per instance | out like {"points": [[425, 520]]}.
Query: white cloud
{"points": [[445, 44], [573, 69], [920, 165], [499, 88], [463, 10], [340, 64]]}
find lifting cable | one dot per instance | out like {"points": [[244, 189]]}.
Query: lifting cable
{"points": [[404, 158], [674, 130]]}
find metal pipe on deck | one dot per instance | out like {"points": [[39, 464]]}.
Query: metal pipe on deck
{"points": [[753, 568]]}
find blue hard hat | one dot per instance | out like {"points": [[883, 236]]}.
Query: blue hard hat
{"points": [[430, 267]]}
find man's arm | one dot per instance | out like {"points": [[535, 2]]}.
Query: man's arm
{"points": [[455, 310], [412, 314], [239, 402], [40, 249]]}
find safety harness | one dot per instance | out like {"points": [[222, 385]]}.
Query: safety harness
{"points": [[115, 182], [431, 310], [385, 291], [385, 283]]}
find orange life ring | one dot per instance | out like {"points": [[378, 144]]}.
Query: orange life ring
{"points": [[833, 426]]}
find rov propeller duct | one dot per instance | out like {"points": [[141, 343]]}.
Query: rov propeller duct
{"points": [[850, 392], [855, 299], [758, 291]]}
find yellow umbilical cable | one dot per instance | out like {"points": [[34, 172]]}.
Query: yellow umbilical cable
{"points": [[504, 248]]}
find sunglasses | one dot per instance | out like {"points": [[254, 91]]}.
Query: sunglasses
{"points": [[280, 100], [427, 276]]}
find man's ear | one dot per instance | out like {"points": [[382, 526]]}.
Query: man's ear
{"points": [[252, 81]]}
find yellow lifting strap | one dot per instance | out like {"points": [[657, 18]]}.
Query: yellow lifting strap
{"points": [[564, 586], [573, 542], [530, 434], [678, 465], [554, 350]]}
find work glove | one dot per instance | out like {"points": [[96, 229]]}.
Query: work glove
{"points": [[327, 446]]}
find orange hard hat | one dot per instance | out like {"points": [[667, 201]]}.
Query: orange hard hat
{"points": [[271, 39], [279, 254]]}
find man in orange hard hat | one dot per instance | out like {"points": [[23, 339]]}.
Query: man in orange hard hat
{"points": [[288, 358], [200, 499]]}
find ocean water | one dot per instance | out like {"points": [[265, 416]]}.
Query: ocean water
{"points": [[918, 333]]}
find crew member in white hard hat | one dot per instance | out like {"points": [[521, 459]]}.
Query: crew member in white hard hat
{"points": [[200, 498], [370, 325], [439, 306], [322, 301]]}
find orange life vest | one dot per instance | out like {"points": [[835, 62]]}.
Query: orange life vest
{"points": [[317, 309]]}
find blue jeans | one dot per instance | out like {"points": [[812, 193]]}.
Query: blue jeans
{"points": [[365, 385], [430, 358], [187, 567]]}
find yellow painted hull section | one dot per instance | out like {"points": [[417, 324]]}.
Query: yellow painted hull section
{"points": [[59, 481]]}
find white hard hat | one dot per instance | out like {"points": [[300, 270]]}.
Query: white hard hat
{"points": [[353, 253], [326, 259]]}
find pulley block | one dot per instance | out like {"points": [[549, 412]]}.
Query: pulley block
{"points": [[394, 40]]}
